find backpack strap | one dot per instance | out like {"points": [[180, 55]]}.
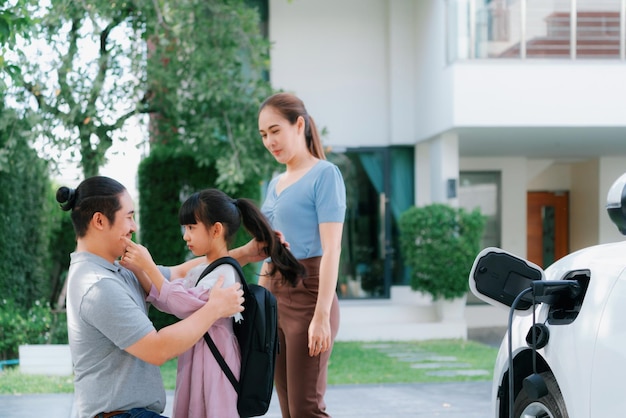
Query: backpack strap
{"points": [[216, 353], [218, 356], [216, 263]]}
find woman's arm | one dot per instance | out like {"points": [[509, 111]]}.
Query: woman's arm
{"points": [[319, 329]]}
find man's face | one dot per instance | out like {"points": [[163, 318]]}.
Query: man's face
{"points": [[123, 226]]}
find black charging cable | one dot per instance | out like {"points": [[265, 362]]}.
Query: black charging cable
{"points": [[510, 338], [546, 292]]}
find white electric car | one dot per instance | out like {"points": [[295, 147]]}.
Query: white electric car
{"points": [[568, 353]]}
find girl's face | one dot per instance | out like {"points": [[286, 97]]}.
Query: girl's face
{"points": [[198, 238], [282, 139]]}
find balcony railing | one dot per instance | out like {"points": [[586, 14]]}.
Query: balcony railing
{"points": [[549, 29]]}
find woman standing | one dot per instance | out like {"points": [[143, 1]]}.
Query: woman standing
{"points": [[307, 203]]}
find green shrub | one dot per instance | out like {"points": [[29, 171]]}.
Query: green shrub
{"points": [[439, 244], [36, 325]]}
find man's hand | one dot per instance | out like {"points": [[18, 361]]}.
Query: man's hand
{"points": [[225, 302]]}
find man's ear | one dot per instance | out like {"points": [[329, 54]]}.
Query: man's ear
{"points": [[98, 220]]}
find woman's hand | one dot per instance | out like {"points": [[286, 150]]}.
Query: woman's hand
{"points": [[319, 335]]}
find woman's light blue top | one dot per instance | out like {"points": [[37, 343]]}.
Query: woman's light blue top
{"points": [[317, 197]]}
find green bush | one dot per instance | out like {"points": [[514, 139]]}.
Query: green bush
{"points": [[36, 325], [439, 244]]}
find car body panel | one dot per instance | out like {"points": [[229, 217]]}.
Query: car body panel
{"points": [[609, 362], [587, 356]]}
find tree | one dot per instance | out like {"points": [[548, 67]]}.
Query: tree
{"points": [[207, 69], [13, 21], [87, 70], [75, 69]]}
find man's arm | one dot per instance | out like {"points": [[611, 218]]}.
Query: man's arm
{"points": [[159, 346]]}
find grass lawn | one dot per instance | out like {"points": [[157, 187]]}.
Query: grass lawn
{"points": [[351, 363]]}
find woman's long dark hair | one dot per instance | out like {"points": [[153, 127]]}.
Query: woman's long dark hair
{"points": [[212, 205]]}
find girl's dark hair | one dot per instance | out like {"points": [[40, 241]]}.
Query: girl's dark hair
{"points": [[212, 205], [94, 194], [291, 107]]}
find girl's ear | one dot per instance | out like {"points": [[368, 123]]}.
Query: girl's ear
{"points": [[217, 229]]}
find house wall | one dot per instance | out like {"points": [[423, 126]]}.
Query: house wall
{"points": [[538, 93], [584, 209], [375, 73], [338, 64], [434, 77], [513, 197]]}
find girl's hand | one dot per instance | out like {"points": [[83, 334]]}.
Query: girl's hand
{"points": [[136, 257]]}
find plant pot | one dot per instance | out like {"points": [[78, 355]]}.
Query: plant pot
{"points": [[46, 359], [449, 310]]}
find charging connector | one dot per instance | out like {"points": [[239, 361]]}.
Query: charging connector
{"points": [[548, 291]]}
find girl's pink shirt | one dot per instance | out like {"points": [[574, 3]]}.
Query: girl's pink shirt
{"points": [[202, 388]]}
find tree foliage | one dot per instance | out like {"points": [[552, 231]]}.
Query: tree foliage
{"points": [[24, 205], [206, 70], [76, 70], [198, 67]]}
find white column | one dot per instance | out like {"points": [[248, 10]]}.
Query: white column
{"points": [[422, 174], [402, 50], [437, 170]]}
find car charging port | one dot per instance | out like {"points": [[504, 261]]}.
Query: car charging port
{"points": [[551, 291], [564, 310]]}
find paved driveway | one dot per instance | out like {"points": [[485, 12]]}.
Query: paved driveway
{"points": [[448, 400]]}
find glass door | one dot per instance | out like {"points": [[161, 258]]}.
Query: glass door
{"points": [[379, 186]]}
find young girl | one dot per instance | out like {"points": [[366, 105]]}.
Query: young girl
{"points": [[210, 219]]}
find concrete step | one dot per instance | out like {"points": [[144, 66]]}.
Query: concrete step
{"points": [[412, 317]]}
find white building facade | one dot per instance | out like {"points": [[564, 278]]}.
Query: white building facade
{"points": [[501, 104]]}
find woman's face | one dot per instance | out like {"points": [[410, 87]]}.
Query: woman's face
{"points": [[282, 139]]}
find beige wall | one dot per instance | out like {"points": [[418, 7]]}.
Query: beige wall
{"points": [[513, 199], [584, 213], [586, 181], [547, 175]]}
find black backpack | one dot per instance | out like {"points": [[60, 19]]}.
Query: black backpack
{"points": [[258, 341]]}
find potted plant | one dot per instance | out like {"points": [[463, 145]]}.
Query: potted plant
{"points": [[439, 244], [37, 336]]}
